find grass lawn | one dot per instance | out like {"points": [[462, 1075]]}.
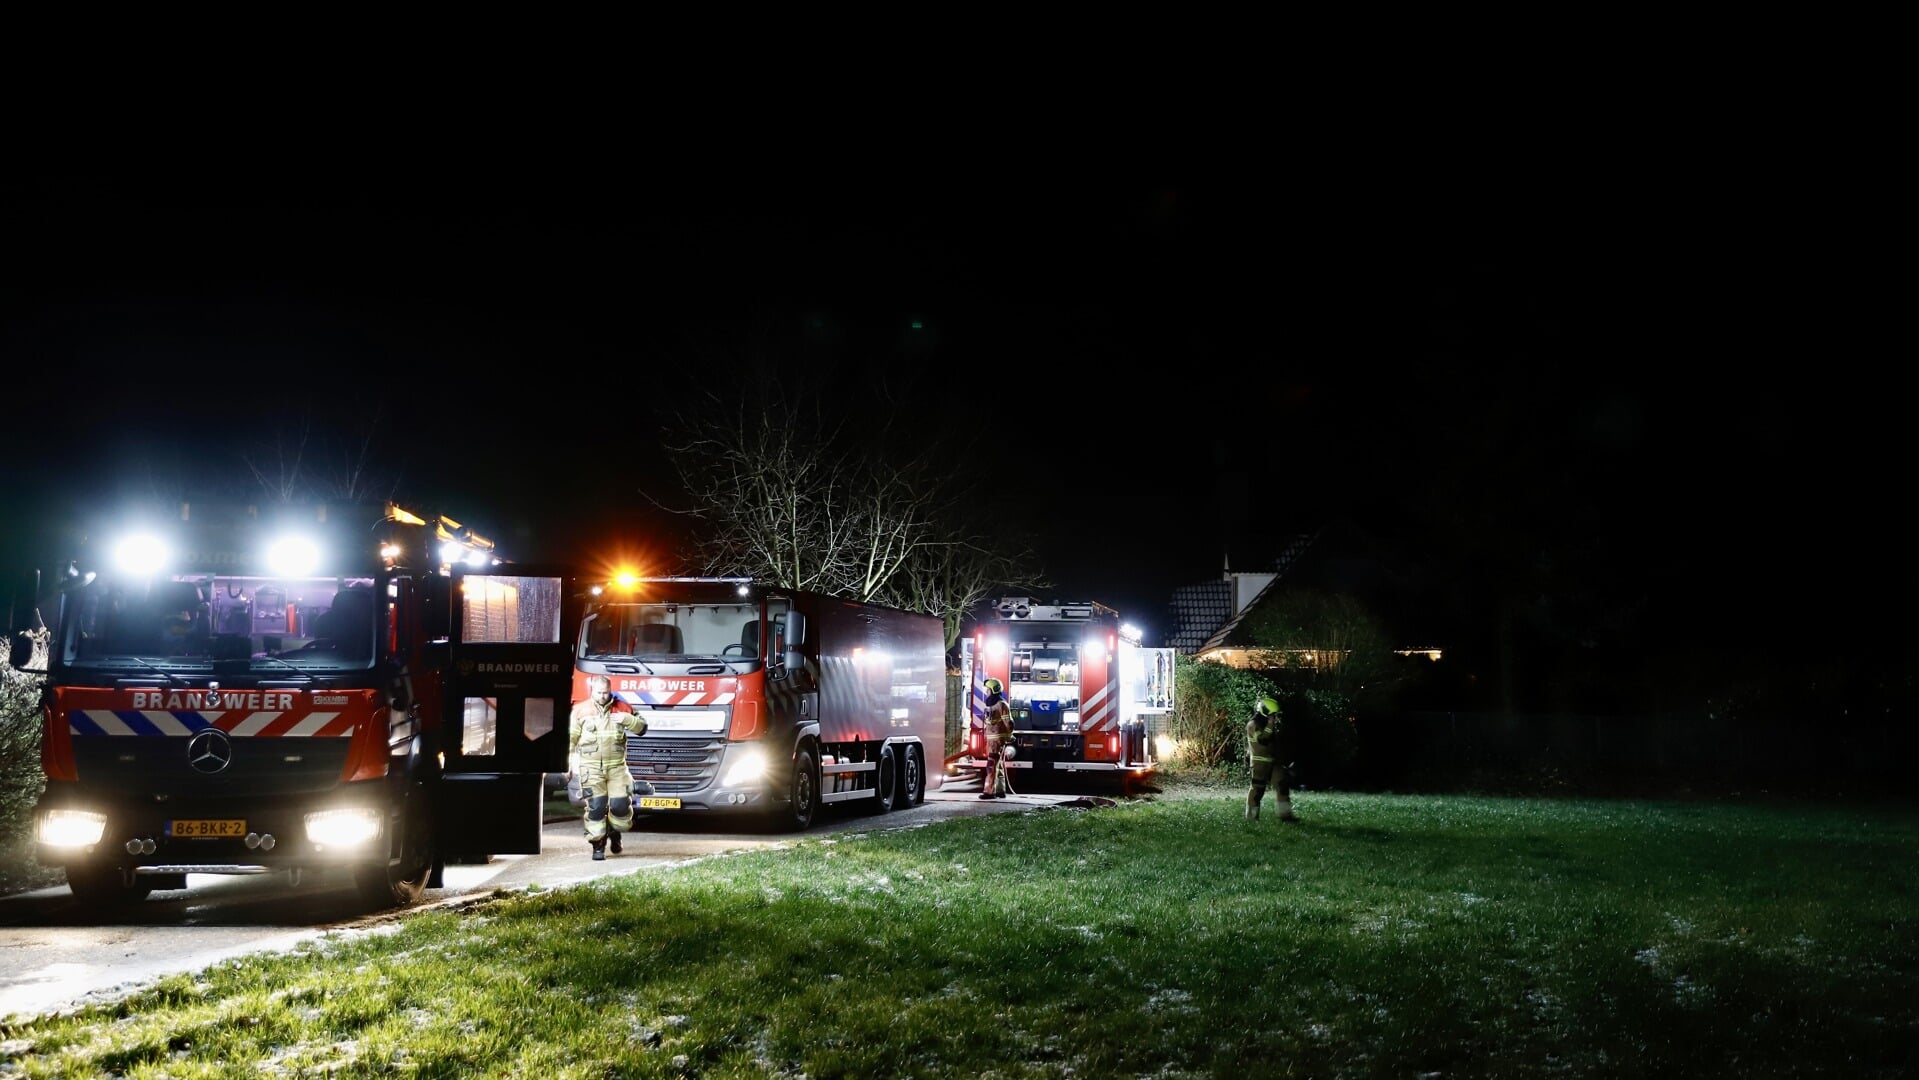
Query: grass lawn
{"points": [[1386, 936]]}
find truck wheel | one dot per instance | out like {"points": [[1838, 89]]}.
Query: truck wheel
{"points": [[402, 881], [886, 783], [804, 790], [912, 777], [102, 885]]}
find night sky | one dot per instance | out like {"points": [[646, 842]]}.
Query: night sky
{"points": [[1654, 378]]}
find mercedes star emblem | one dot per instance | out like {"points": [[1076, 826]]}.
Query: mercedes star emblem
{"points": [[209, 751]]}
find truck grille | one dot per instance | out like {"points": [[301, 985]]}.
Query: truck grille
{"points": [[1048, 746], [674, 766]]}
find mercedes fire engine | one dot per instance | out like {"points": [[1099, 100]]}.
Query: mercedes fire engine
{"points": [[766, 701], [1086, 697], [353, 690]]}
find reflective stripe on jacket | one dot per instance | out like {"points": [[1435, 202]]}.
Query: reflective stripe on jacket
{"points": [[999, 723], [599, 734], [1261, 739]]}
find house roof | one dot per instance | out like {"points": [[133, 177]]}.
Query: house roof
{"points": [[1207, 616], [1196, 611], [1224, 636], [1201, 611]]}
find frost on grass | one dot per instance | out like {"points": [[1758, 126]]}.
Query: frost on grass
{"points": [[1170, 1000], [1381, 923], [1688, 992], [1684, 989], [304, 1059]]}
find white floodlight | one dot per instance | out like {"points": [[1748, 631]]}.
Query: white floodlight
{"points": [[143, 554], [293, 556]]}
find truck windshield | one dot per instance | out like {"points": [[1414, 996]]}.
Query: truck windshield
{"points": [[663, 631], [186, 623]]}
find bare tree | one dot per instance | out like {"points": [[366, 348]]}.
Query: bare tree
{"points": [[349, 467], [841, 500], [950, 579], [329, 465], [280, 468]]}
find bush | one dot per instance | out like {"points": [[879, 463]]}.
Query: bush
{"points": [[1215, 701], [1320, 737], [21, 780]]}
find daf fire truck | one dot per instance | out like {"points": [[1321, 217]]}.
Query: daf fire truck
{"points": [[765, 701], [344, 690], [1086, 697]]}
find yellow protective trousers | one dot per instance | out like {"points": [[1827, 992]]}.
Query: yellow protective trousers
{"points": [[608, 788]]}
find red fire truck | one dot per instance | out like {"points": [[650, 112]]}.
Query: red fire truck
{"points": [[767, 701], [1086, 697], [342, 689]]}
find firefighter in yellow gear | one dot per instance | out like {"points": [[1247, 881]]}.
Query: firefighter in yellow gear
{"points": [[999, 737], [1263, 751], [600, 725]]}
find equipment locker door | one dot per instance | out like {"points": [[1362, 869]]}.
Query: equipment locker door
{"points": [[510, 684]]}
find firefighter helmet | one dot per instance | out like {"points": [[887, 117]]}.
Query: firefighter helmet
{"points": [[1009, 751], [993, 686], [1267, 706]]}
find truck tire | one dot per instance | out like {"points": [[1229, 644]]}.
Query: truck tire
{"points": [[886, 783], [912, 777], [399, 882], [98, 884], [803, 792]]}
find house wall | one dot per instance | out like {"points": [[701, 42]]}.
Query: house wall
{"points": [[1247, 586]]}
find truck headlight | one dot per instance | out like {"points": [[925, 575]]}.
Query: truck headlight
{"points": [[72, 828], [343, 828], [748, 767]]}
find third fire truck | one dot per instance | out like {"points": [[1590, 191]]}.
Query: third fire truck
{"points": [[1086, 697]]}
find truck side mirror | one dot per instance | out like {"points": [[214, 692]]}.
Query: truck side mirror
{"points": [[789, 630], [792, 639]]}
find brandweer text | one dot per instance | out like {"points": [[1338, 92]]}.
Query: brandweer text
{"points": [[156, 699]]}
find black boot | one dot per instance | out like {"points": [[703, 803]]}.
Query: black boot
{"points": [[613, 840], [599, 850]]}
